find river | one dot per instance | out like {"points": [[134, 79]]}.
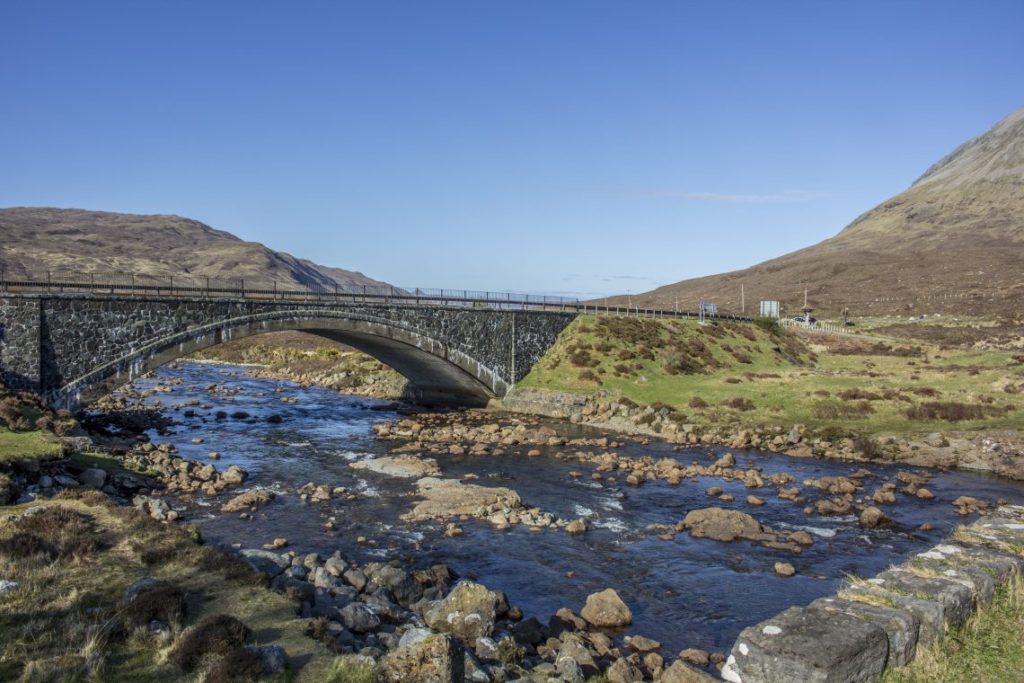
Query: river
{"points": [[684, 592]]}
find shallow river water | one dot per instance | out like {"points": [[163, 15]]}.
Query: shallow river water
{"points": [[685, 592]]}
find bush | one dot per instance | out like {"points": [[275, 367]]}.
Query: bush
{"points": [[858, 395], [589, 376], [215, 634], [240, 664], [954, 412], [70, 533], [697, 402], [769, 325], [23, 545], [739, 403], [830, 410], [161, 601]]}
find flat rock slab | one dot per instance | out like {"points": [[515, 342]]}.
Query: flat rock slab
{"points": [[399, 466], [810, 646], [445, 498], [901, 626]]}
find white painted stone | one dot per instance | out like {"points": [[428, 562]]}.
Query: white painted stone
{"points": [[744, 650], [770, 631], [729, 673]]}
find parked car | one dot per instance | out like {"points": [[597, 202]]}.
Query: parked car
{"points": [[808, 320]]}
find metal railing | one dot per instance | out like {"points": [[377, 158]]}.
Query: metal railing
{"points": [[55, 283]]}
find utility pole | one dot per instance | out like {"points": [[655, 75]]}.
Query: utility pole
{"points": [[743, 299]]}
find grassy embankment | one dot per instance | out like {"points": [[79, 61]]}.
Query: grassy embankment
{"points": [[67, 619], [308, 358], [745, 376], [990, 647]]}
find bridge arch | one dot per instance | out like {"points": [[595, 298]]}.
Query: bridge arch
{"points": [[439, 372]]}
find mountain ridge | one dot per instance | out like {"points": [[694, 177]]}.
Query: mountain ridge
{"points": [[37, 240], [952, 242]]}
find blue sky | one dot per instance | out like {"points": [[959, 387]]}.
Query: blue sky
{"points": [[573, 147]]}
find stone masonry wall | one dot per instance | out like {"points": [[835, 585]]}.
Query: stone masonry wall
{"points": [[74, 336], [876, 624], [19, 343]]}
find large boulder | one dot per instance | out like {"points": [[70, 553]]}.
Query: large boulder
{"points": [[468, 611], [434, 658], [94, 477], [723, 525], [606, 609]]}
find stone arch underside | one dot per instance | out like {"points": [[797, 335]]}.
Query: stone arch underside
{"points": [[439, 373]]}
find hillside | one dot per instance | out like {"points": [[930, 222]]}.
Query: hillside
{"points": [[37, 240], [951, 243]]}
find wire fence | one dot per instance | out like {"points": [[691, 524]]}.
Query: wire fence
{"points": [[56, 282]]}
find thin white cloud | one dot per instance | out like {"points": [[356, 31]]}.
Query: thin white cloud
{"points": [[786, 197]]}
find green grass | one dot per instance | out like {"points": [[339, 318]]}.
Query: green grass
{"points": [[26, 446], [783, 393], [990, 647]]}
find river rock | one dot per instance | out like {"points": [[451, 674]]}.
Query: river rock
{"points": [[569, 671], [784, 569], [468, 611], [399, 466], [358, 618], [576, 527], [269, 563], [606, 609], [681, 672], [248, 500], [642, 644], [94, 477], [872, 517], [623, 671], [435, 658], [234, 476], [722, 525], [398, 582]]}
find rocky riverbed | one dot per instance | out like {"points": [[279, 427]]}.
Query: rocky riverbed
{"points": [[355, 505]]}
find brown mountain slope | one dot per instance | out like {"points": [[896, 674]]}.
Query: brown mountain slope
{"points": [[73, 241], [952, 243]]}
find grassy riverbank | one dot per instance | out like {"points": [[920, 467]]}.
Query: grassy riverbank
{"points": [[306, 358], [990, 647], [742, 376], [73, 560]]}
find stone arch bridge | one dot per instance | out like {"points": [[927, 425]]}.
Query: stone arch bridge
{"points": [[74, 348]]}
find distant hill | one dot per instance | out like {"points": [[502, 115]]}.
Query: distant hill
{"points": [[37, 240], [951, 243]]}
